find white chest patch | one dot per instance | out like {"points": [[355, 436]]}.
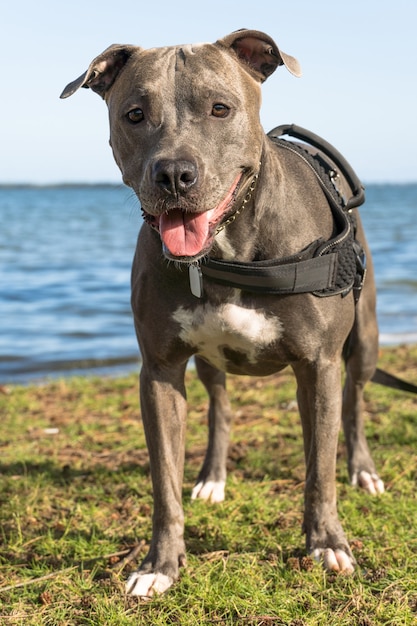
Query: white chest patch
{"points": [[212, 329]]}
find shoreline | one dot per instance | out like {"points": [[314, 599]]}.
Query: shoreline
{"points": [[130, 366]]}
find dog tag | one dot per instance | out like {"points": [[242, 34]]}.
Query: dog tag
{"points": [[196, 280]]}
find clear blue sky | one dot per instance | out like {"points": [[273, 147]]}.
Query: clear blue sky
{"points": [[358, 90]]}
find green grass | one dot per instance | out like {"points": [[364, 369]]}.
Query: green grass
{"points": [[75, 496]]}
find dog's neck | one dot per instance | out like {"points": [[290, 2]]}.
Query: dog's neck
{"points": [[223, 247]]}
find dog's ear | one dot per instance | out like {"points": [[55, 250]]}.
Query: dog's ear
{"points": [[103, 70], [259, 52]]}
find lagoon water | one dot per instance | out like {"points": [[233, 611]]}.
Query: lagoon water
{"points": [[65, 256]]}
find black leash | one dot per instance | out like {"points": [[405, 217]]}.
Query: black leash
{"points": [[388, 380]]}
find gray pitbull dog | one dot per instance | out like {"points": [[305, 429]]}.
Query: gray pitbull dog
{"points": [[186, 135]]}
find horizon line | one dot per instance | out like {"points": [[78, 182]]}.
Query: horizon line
{"points": [[34, 185]]}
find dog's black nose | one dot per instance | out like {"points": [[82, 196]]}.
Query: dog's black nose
{"points": [[175, 176]]}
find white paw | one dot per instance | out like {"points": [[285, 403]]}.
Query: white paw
{"points": [[147, 585], [334, 560], [210, 491], [369, 482]]}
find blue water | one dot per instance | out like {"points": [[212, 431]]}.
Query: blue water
{"points": [[65, 255]]}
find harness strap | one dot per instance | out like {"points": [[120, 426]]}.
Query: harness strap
{"points": [[302, 276], [358, 194], [324, 268]]}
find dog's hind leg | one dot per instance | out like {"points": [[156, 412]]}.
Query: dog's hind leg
{"points": [[361, 354], [211, 480]]}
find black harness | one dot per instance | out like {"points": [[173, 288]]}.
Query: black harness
{"points": [[324, 268]]}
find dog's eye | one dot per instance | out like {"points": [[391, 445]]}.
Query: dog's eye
{"points": [[135, 115], [220, 110]]}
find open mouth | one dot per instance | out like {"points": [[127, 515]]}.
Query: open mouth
{"points": [[190, 235]]}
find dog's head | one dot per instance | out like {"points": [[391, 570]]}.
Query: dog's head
{"points": [[185, 129]]}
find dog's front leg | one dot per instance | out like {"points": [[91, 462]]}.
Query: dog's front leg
{"points": [[319, 399], [163, 404]]}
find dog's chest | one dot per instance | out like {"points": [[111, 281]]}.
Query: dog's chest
{"points": [[229, 335]]}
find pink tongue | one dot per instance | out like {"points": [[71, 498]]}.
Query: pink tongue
{"points": [[184, 234]]}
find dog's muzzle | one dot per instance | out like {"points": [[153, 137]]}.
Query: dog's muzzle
{"points": [[188, 236]]}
